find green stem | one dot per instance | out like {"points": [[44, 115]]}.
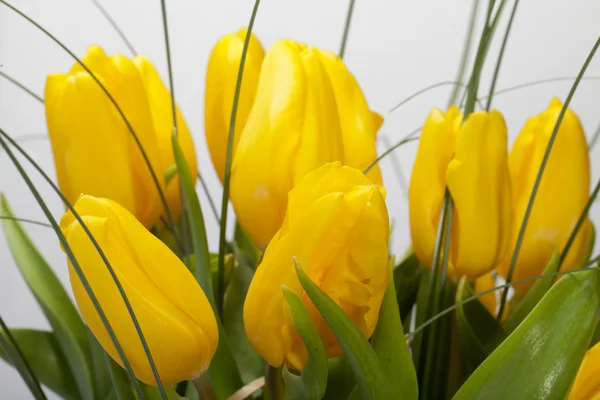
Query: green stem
{"points": [[346, 28]]}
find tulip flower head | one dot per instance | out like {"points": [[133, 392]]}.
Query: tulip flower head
{"points": [[587, 385], [561, 196], [470, 159], [308, 111], [94, 150], [173, 312], [221, 80], [337, 226]]}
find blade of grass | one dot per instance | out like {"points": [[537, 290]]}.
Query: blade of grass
{"points": [[402, 181], [425, 90], [538, 179], [29, 221], [594, 138], [346, 28], [21, 86], [408, 138], [9, 346], [220, 292], [540, 82], [155, 180], [465, 54], [114, 25], [72, 258], [209, 197], [500, 56]]}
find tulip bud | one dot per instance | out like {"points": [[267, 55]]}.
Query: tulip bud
{"points": [[94, 151], [586, 383], [308, 111], [337, 227], [561, 196], [174, 314], [221, 80], [471, 160]]}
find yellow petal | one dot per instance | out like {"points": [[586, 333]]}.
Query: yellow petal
{"points": [[162, 116], [221, 79], [587, 385], [428, 180], [484, 283], [172, 310], [359, 124], [478, 180], [292, 129], [562, 194], [338, 228]]}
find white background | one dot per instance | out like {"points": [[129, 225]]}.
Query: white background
{"points": [[395, 48]]}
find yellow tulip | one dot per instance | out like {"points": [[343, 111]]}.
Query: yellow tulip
{"points": [[221, 79], [174, 314], [587, 384], [560, 199], [471, 160], [337, 226], [95, 153], [484, 283], [308, 111]]}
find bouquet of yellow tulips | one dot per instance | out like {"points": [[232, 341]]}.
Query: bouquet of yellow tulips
{"points": [[497, 298]]}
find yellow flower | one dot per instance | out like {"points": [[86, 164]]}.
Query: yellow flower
{"points": [[587, 384], [95, 153], [338, 228], [484, 283], [174, 314], [471, 160], [308, 111], [560, 199], [221, 79]]}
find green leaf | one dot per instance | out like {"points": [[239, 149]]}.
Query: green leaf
{"points": [[223, 371], [340, 379], [311, 384], [251, 365], [407, 277], [152, 393], [68, 327], [42, 352], [540, 359], [102, 382], [534, 295], [422, 299], [243, 242], [119, 382], [390, 346], [170, 173], [479, 332], [369, 375]]}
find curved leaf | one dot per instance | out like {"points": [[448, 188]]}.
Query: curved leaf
{"points": [[369, 375], [407, 277], [390, 346], [42, 352], [540, 359], [311, 384], [68, 327], [479, 332]]}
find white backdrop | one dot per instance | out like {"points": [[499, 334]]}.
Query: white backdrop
{"points": [[395, 48]]}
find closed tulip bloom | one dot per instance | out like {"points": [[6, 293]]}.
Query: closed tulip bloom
{"points": [[587, 384], [337, 226], [174, 314], [471, 160], [560, 199], [221, 80], [293, 128], [94, 151], [359, 124]]}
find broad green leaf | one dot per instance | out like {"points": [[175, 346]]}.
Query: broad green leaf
{"points": [[243, 242], [391, 348], [152, 393], [407, 276], [101, 375], [66, 323], [540, 359], [251, 365], [534, 295], [340, 380], [369, 375], [42, 351], [311, 384], [479, 332], [223, 372], [119, 381]]}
